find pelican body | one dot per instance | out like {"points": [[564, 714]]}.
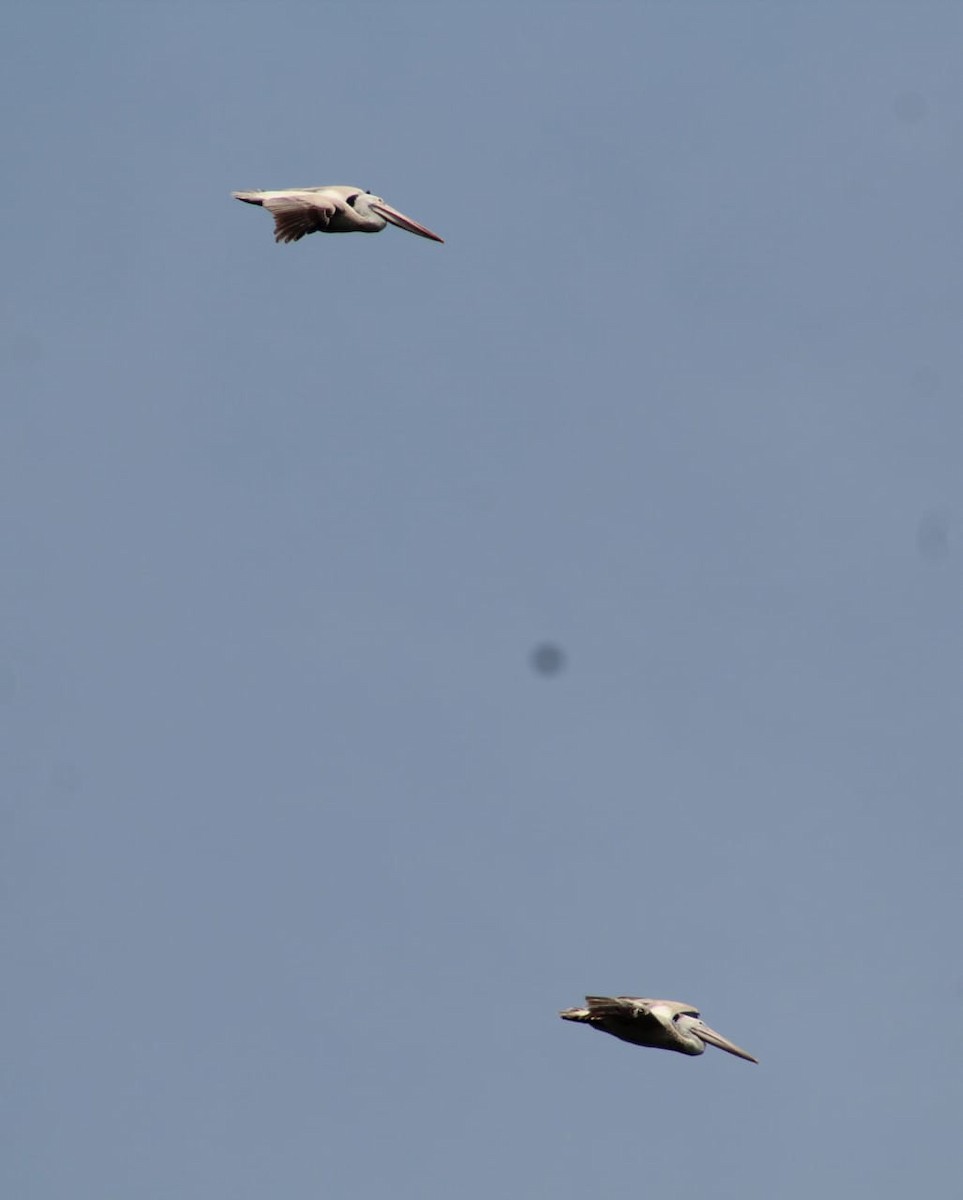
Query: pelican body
{"points": [[337, 209], [662, 1024]]}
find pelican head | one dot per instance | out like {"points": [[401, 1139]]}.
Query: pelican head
{"points": [[662, 1024], [694, 1033], [377, 209]]}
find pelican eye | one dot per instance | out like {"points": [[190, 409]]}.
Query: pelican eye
{"points": [[351, 199]]}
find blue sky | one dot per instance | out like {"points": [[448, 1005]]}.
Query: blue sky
{"points": [[300, 856]]}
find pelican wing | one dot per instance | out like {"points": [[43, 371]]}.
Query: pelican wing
{"points": [[623, 1008], [297, 216]]}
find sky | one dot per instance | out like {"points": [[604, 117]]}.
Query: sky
{"points": [[300, 854]]}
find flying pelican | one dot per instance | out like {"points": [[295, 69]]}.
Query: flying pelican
{"points": [[663, 1024], [338, 209]]}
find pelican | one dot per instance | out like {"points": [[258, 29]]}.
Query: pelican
{"points": [[662, 1024], [338, 209]]}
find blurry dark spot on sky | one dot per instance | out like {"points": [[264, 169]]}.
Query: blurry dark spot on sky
{"points": [[548, 659]]}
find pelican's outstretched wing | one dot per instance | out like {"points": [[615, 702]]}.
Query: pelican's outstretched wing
{"points": [[627, 1017], [619, 1008], [295, 217], [296, 214]]}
